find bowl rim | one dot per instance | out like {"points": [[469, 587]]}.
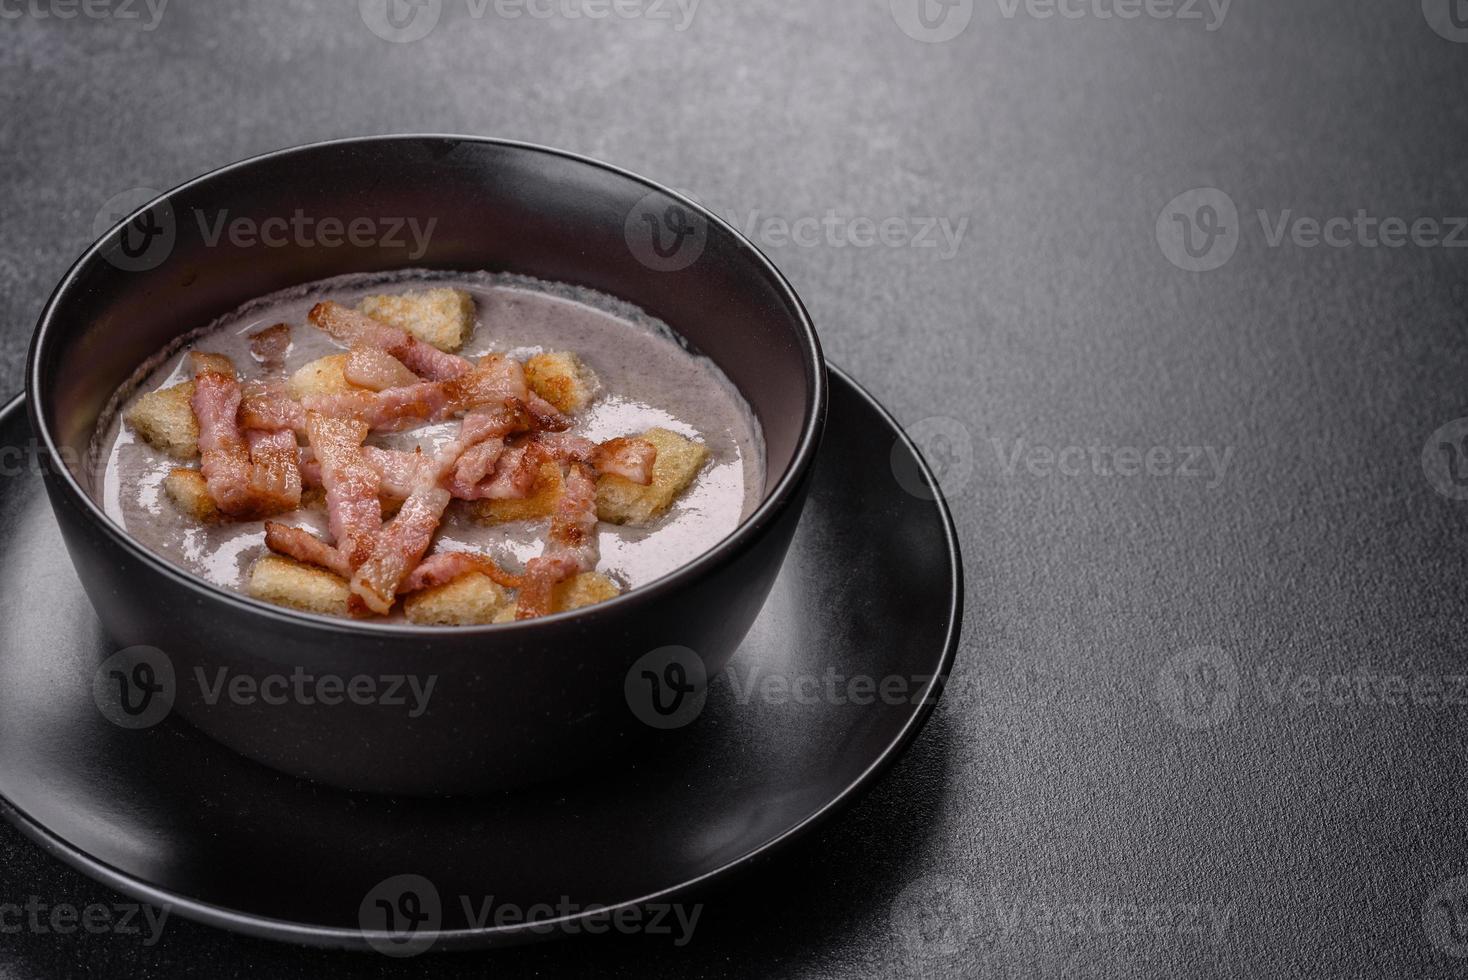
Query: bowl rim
{"points": [[771, 505]]}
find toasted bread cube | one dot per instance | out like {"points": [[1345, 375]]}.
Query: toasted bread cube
{"points": [[586, 589], [561, 379], [441, 317], [204, 361], [620, 501], [190, 493], [538, 506], [326, 376], [289, 583], [165, 420], [469, 600]]}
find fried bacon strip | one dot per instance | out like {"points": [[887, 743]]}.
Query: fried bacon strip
{"points": [[514, 476], [445, 567], [268, 407], [374, 368], [474, 454], [270, 346], [353, 506], [497, 380], [491, 469], [391, 410], [571, 547], [493, 383], [474, 466], [303, 546], [630, 458], [355, 329], [400, 545], [397, 470], [249, 475], [275, 474]]}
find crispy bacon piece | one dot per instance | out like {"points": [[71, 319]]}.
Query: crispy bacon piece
{"points": [[497, 380], [475, 465], [303, 546], [353, 507], [494, 380], [384, 411], [248, 476], [571, 546], [270, 346], [225, 457], [513, 478], [268, 407], [356, 329], [399, 546], [374, 368], [630, 458], [485, 468], [547, 417], [275, 474], [493, 384], [445, 567], [397, 470]]}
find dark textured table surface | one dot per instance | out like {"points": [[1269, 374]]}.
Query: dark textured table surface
{"points": [[1209, 712]]}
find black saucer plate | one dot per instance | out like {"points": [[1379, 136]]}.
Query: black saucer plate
{"points": [[835, 680]]}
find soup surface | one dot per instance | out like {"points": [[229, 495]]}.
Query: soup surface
{"points": [[644, 379]]}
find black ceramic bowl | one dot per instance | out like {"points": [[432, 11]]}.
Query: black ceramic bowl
{"points": [[510, 703]]}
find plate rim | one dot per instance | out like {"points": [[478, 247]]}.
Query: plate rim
{"points": [[334, 937]]}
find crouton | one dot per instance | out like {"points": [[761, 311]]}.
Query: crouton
{"points": [[441, 317], [584, 590], [539, 505], [326, 376], [620, 501], [469, 600], [190, 493], [165, 420], [561, 379], [289, 583]]}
